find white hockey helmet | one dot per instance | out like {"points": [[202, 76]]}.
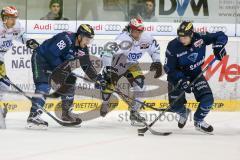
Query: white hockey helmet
{"points": [[9, 11]]}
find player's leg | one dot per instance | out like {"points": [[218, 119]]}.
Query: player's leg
{"points": [[40, 78], [136, 79], [178, 107], [4, 85], [111, 79], [68, 98], [204, 96]]}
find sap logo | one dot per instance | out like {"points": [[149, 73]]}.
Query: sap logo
{"points": [[181, 6], [199, 63], [134, 56]]}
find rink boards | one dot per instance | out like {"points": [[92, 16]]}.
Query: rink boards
{"points": [[224, 76], [89, 105]]}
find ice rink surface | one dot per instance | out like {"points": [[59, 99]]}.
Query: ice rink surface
{"points": [[111, 139]]}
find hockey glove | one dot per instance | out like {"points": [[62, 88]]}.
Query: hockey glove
{"points": [[219, 50], [100, 82], [156, 66], [184, 85], [32, 44]]}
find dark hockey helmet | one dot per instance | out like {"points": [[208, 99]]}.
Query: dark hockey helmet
{"points": [[85, 30], [185, 29]]}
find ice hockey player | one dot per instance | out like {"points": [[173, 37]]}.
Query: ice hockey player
{"points": [[184, 57], [47, 57], [10, 29], [124, 62]]}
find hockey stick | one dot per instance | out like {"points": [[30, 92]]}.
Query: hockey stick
{"points": [[122, 94], [78, 121], [127, 97], [145, 129], [37, 95]]}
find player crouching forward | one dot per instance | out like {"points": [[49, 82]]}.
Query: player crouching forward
{"points": [[123, 61], [47, 57], [184, 57]]}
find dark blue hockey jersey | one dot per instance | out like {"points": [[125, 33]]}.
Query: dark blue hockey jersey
{"points": [[61, 48], [186, 61]]}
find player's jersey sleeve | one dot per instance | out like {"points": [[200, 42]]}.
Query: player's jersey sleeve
{"points": [[22, 36], [171, 63], [59, 45], [154, 49], [56, 48], [87, 66], [213, 38]]}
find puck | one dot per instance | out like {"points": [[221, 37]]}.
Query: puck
{"points": [[140, 134]]}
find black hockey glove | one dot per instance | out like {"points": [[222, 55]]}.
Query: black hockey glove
{"points": [[184, 85], [156, 66], [100, 82], [32, 43], [219, 51]]}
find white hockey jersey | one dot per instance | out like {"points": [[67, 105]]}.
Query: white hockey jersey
{"points": [[8, 35], [131, 50]]}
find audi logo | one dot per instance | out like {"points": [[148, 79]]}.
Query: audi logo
{"points": [[164, 28], [112, 27], [214, 29], [61, 27]]}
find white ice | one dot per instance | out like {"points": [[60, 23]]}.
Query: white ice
{"points": [[109, 139]]}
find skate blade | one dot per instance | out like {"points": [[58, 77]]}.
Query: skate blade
{"points": [[200, 130], [137, 124], [33, 126]]}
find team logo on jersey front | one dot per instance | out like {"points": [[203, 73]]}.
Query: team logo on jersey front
{"points": [[193, 57], [134, 56]]}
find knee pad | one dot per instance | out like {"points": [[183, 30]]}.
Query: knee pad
{"points": [[206, 101], [42, 88]]}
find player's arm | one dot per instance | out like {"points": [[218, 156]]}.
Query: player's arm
{"points": [[30, 43], [87, 66], [59, 45], [119, 46], [22, 38], [218, 41], [154, 52], [170, 65]]}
